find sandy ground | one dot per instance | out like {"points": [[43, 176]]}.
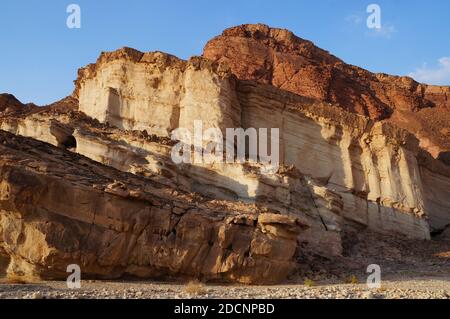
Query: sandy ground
{"points": [[423, 288], [409, 269]]}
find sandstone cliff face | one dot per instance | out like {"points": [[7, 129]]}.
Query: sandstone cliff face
{"points": [[375, 172], [370, 166], [149, 156], [141, 214], [278, 57], [156, 92], [58, 208]]}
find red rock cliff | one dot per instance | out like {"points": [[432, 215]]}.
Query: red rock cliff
{"points": [[280, 58]]}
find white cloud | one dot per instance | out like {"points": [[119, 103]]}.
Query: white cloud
{"points": [[359, 20], [354, 19], [439, 75], [386, 31]]}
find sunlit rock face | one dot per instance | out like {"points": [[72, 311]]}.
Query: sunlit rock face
{"points": [[106, 193], [371, 166], [58, 208], [280, 58], [157, 92]]}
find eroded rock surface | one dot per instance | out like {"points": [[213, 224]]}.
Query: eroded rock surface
{"points": [[123, 85], [280, 58], [108, 196], [58, 208]]}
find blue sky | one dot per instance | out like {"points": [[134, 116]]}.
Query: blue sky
{"points": [[39, 55]]}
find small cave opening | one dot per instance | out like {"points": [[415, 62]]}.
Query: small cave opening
{"points": [[444, 157], [4, 263], [69, 142], [443, 232]]}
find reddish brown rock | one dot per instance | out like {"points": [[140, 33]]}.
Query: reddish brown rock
{"points": [[11, 106], [278, 57], [9, 100]]}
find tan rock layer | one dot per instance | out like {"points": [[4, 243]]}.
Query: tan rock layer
{"points": [[57, 208], [371, 166]]}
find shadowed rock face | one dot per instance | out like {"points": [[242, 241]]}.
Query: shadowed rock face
{"points": [[108, 196], [10, 105], [4, 263], [278, 57], [9, 100]]}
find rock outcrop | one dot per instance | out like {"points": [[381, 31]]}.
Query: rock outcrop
{"points": [[94, 182], [10, 105], [280, 58], [58, 208], [122, 85], [371, 166]]}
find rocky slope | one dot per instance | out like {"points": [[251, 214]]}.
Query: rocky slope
{"points": [[278, 57], [9, 105], [100, 188], [58, 208]]}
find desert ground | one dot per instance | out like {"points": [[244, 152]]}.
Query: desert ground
{"points": [[401, 287], [411, 269]]}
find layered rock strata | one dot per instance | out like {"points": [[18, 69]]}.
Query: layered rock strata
{"points": [[371, 166], [58, 208], [280, 58], [141, 214]]}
